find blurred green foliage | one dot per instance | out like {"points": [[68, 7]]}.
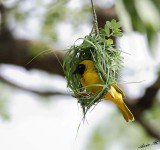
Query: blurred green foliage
{"points": [[50, 14], [142, 16], [4, 101], [152, 116], [138, 15], [112, 132]]}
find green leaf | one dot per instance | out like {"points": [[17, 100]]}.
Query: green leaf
{"points": [[108, 23], [113, 23], [107, 30], [112, 28], [102, 33], [118, 34], [118, 25], [109, 42]]}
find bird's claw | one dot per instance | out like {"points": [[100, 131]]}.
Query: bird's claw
{"points": [[83, 93]]}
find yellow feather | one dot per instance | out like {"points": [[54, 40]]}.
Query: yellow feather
{"points": [[89, 80]]}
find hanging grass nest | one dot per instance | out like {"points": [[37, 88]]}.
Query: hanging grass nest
{"points": [[107, 59]]}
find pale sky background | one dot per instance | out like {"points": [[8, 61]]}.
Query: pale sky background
{"points": [[37, 125]]}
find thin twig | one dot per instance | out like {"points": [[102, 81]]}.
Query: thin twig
{"points": [[95, 18], [149, 128]]}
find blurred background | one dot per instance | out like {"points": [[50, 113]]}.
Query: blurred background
{"points": [[36, 109]]}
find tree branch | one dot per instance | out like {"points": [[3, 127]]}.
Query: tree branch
{"points": [[39, 92], [145, 103], [17, 52], [95, 18], [149, 129]]}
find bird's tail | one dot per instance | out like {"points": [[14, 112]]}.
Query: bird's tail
{"points": [[127, 114], [115, 94]]}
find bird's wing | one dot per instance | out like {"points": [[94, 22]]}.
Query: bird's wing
{"points": [[118, 89]]}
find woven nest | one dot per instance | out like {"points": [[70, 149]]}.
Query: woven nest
{"points": [[107, 59]]}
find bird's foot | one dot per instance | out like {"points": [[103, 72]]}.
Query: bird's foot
{"points": [[84, 94]]}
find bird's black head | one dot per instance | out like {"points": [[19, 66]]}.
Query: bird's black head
{"points": [[80, 69]]}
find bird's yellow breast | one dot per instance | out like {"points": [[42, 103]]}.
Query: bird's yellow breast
{"points": [[90, 77], [89, 80]]}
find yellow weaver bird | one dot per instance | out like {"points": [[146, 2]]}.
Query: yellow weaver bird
{"points": [[89, 76]]}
